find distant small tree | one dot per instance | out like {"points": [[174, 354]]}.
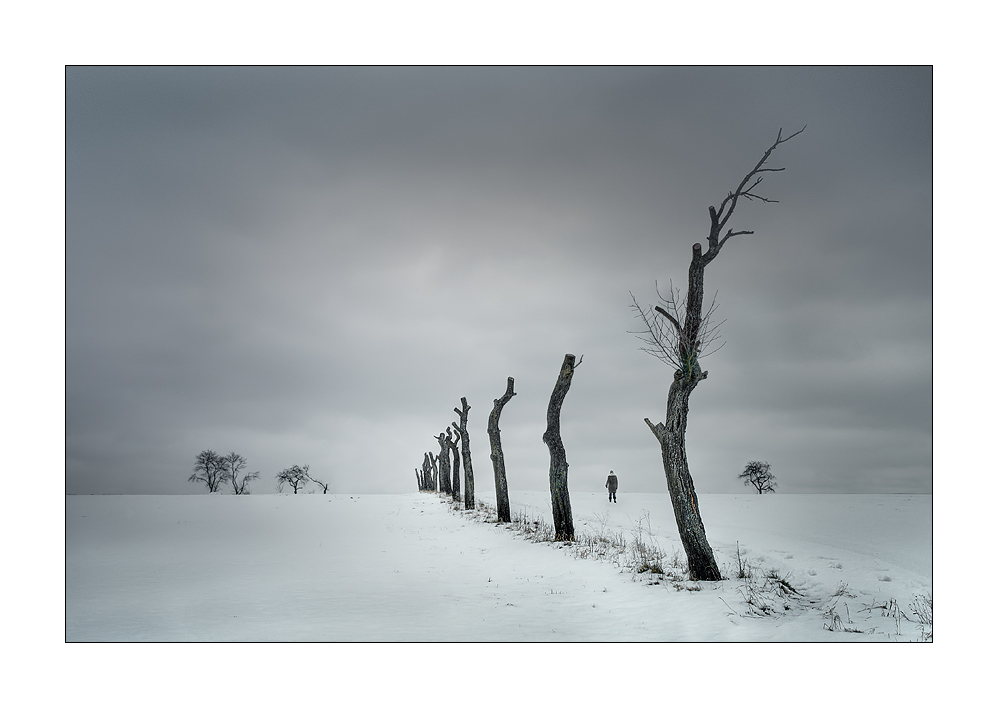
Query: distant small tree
{"points": [[210, 469], [759, 476], [235, 463], [296, 476], [324, 486]]}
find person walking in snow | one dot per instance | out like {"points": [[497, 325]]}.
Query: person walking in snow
{"points": [[611, 485]]}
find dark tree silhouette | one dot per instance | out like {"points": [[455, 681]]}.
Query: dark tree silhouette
{"points": [[435, 486], [682, 345], [758, 475], [235, 463], [210, 469], [443, 459], [498, 463], [561, 506], [469, 475], [452, 440], [296, 476], [324, 486], [427, 473]]}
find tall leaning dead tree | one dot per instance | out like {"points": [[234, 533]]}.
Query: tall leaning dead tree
{"points": [[498, 463], [452, 445], [681, 340], [469, 475], [444, 462], [561, 506]]}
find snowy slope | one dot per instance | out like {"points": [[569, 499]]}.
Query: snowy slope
{"points": [[412, 568]]}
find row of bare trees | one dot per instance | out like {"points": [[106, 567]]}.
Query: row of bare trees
{"points": [[214, 471], [436, 476], [298, 478], [679, 333], [435, 473]]}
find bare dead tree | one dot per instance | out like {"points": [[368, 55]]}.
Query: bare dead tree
{"points": [[681, 347], [469, 475], [456, 467], [759, 475], [498, 462], [435, 486], [561, 505], [444, 463], [210, 469]]}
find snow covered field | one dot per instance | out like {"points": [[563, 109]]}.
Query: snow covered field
{"points": [[408, 568]]}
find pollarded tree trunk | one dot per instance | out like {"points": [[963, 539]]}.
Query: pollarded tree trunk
{"points": [[427, 473], [672, 438], [498, 463], [561, 505], [452, 444], [469, 475], [444, 462]]}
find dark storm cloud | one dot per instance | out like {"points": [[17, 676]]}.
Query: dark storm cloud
{"points": [[314, 265]]}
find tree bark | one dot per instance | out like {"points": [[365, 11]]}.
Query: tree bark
{"points": [[427, 473], [498, 463], [561, 505], [469, 475], [444, 462], [452, 444], [672, 437]]}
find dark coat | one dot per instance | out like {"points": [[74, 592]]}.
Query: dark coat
{"points": [[611, 483]]}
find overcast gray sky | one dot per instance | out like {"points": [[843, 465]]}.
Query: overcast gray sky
{"points": [[313, 266]]}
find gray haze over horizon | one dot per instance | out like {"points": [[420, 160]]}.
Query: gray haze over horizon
{"points": [[314, 265]]}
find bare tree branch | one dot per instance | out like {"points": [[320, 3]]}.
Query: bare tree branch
{"points": [[719, 217], [672, 319], [670, 344]]}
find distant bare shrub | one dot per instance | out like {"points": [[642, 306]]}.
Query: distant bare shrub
{"points": [[295, 475], [921, 607]]}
